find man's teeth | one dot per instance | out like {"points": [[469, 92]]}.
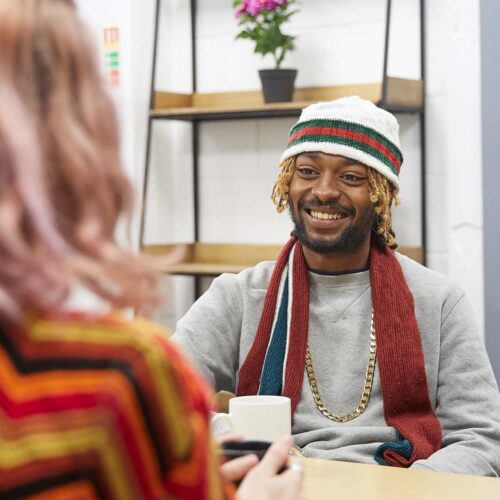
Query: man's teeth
{"points": [[325, 216]]}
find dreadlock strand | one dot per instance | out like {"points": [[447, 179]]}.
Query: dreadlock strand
{"points": [[282, 184], [382, 195]]}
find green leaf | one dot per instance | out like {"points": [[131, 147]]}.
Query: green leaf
{"points": [[286, 17], [243, 35], [265, 30]]}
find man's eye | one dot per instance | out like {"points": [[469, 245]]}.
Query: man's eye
{"points": [[305, 170], [352, 178]]}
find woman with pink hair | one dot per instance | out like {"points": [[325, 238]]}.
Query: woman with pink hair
{"points": [[91, 405]]}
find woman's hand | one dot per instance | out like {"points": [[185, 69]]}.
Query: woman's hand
{"points": [[263, 481], [235, 470]]}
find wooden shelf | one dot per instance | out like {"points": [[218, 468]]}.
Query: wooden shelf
{"points": [[403, 96], [213, 259]]}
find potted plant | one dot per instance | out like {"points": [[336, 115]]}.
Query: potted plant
{"points": [[261, 21]]}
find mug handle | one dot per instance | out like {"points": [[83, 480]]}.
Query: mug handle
{"points": [[221, 424]]}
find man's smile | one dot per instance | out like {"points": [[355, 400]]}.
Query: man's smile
{"points": [[316, 214], [324, 216], [321, 220]]}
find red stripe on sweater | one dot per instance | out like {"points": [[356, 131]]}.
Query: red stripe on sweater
{"points": [[58, 405]]}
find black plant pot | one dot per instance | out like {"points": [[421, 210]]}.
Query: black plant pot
{"points": [[277, 84]]}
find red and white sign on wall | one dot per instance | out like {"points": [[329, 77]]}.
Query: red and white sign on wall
{"points": [[112, 55]]}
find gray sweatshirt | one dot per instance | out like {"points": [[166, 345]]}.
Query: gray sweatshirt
{"points": [[219, 329]]}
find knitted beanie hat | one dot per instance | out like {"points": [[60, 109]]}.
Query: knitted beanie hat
{"points": [[350, 127]]}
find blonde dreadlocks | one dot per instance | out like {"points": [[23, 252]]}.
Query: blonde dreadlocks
{"points": [[382, 195]]}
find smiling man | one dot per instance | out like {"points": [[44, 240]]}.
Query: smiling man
{"points": [[325, 222], [379, 355]]}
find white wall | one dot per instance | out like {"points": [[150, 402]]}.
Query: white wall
{"points": [[131, 96], [135, 23], [454, 140], [338, 42]]}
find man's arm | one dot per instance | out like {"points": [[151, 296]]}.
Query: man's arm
{"points": [[468, 401], [209, 333]]}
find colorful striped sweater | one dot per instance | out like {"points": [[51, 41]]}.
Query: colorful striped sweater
{"points": [[100, 407]]}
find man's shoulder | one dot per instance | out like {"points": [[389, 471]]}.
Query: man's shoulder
{"points": [[421, 279], [255, 278]]}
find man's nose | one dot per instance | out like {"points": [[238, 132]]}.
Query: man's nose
{"points": [[326, 189]]}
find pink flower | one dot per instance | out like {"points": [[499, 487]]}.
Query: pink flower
{"points": [[254, 7], [265, 30]]}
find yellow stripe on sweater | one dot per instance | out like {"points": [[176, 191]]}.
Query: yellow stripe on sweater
{"points": [[20, 389], [58, 444], [142, 336]]}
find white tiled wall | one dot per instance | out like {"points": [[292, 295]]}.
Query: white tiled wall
{"points": [[338, 42], [134, 21]]}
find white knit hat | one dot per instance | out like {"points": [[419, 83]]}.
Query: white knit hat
{"points": [[350, 127]]}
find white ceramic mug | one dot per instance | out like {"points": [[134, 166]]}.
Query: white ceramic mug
{"points": [[264, 418]]}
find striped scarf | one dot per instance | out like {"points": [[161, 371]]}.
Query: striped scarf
{"points": [[276, 361]]}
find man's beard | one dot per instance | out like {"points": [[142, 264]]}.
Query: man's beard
{"points": [[349, 240]]}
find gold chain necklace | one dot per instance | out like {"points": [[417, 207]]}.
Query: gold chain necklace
{"points": [[365, 396]]}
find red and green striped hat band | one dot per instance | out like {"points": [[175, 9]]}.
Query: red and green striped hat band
{"points": [[349, 139]]}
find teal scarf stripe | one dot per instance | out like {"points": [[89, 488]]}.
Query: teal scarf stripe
{"points": [[402, 447], [272, 373]]}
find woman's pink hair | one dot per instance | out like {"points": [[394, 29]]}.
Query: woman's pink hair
{"points": [[62, 188]]}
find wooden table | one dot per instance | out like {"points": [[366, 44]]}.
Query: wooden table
{"points": [[328, 479]]}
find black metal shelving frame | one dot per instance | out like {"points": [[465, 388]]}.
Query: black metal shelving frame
{"points": [[196, 117]]}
